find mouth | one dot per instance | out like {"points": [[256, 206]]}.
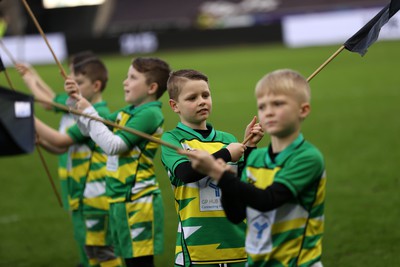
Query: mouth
{"points": [[270, 123], [201, 111]]}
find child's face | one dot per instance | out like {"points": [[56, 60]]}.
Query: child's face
{"points": [[86, 86], [194, 104], [280, 115], [135, 87]]}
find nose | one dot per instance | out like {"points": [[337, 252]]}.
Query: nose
{"points": [[201, 101], [269, 111]]}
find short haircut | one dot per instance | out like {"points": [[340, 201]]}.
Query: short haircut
{"points": [[177, 80], [94, 69], [80, 56], [284, 81], [155, 70]]}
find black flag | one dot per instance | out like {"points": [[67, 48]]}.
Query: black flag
{"points": [[2, 68], [17, 133], [368, 34]]}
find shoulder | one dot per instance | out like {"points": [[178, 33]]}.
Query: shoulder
{"points": [[102, 109], [225, 137], [307, 156], [257, 155], [309, 151], [174, 134], [150, 113]]}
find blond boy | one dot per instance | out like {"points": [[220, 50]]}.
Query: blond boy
{"points": [[282, 190]]}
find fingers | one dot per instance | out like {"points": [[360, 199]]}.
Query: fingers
{"points": [[21, 68], [71, 87], [253, 121]]}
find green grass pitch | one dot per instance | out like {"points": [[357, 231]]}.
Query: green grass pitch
{"points": [[354, 121]]}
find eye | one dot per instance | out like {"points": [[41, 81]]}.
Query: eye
{"points": [[206, 95], [261, 107], [278, 103]]}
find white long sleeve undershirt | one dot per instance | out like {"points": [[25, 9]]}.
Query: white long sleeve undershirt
{"points": [[110, 143]]}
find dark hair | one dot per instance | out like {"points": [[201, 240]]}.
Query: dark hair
{"points": [[94, 69], [155, 70], [178, 78], [80, 56]]}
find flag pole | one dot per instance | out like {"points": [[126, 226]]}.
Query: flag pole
{"points": [[247, 139], [8, 52], [45, 38], [46, 168], [326, 63], [130, 130]]}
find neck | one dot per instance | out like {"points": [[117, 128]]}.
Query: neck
{"points": [[196, 126], [280, 143], [147, 100], [96, 99]]}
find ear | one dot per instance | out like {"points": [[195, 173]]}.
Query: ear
{"points": [[174, 105], [153, 87], [305, 109], [97, 86]]}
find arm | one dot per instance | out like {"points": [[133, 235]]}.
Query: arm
{"points": [[110, 143], [35, 84], [238, 194], [52, 136], [100, 134], [262, 200], [187, 174], [52, 149]]}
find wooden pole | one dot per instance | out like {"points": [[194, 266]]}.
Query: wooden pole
{"points": [[130, 130], [45, 38], [325, 63]]}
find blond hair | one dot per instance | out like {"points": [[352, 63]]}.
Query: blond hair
{"points": [[284, 81]]}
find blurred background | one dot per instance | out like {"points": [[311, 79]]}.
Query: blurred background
{"points": [[146, 26]]}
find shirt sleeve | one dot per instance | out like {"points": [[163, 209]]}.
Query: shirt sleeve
{"points": [[187, 174], [60, 99], [237, 195], [100, 134], [170, 158]]}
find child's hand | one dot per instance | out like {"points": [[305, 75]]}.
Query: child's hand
{"points": [[26, 71], [81, 102], [71, 88], [254, 129], [22, 68], [236, 150]]}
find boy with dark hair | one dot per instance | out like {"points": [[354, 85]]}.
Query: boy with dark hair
{"points": [[205, 236], [136, 211], [282, 192], [42, 91], [86, 169]]}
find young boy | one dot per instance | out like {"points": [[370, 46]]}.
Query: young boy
{"points": [[205, 237], [283, 188], [42, 91], [86, 169], [136, 212]]}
